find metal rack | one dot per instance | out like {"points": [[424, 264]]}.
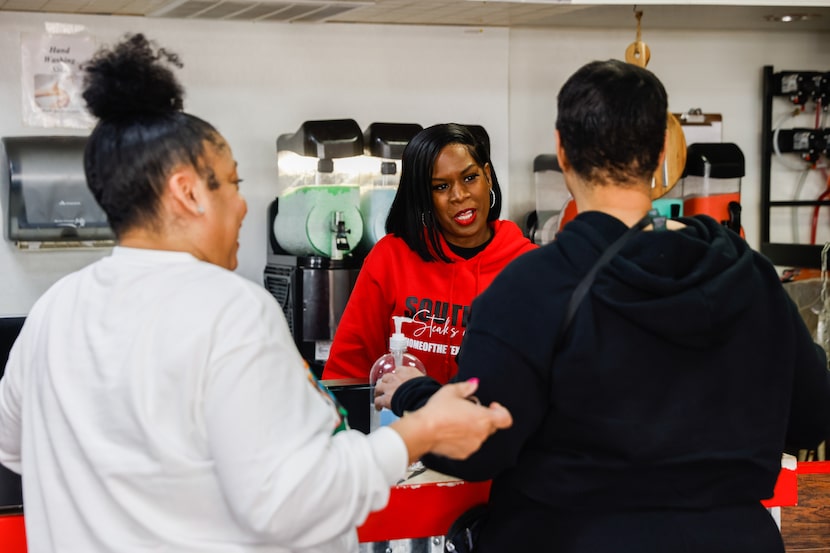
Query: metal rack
{"points": [[783, 254]]}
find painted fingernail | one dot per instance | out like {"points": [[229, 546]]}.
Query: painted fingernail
{"points": [[474, 380]]}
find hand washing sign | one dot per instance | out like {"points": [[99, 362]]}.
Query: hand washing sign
{"points": [[52, 79]]}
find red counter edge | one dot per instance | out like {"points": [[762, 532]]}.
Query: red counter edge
{"points": [[421, 511]]}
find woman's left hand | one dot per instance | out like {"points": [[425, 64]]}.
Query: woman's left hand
{"points": [[385, 387]]}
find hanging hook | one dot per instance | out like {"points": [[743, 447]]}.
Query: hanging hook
{"points": [[639, 16], [638, 52]]}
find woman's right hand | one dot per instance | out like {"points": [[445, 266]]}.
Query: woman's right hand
{"points": [[452, 423]]}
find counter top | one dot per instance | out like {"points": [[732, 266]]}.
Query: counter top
{"points": [[424, 506], [11, 492]]}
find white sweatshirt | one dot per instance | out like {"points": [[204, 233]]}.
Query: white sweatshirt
{"points": [[154, 402]]}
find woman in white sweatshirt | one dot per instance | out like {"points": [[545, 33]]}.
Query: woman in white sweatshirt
{"points": [[154, 400]]}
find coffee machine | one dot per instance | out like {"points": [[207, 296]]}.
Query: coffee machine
{"points": [[314, 227]]}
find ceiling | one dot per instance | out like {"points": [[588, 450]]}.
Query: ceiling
{"points": [[691, 14]]}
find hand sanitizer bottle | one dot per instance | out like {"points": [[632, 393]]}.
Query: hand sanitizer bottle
{"points": [[386, 363]]}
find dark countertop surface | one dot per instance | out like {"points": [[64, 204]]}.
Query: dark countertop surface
{"points": [[11, 495]]}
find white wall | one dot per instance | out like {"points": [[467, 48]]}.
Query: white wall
{"points": [[719, 72], [254, 81]]}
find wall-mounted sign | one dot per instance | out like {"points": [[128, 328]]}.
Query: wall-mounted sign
{"points": [[52, 80]]}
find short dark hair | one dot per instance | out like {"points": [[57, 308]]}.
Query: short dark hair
{"points": [[411, 215], [612, 121], [142, 133]]}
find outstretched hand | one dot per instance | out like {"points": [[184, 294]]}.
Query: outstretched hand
{"points": [[452, 423]]}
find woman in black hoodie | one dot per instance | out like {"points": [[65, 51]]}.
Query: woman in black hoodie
{"points": [[654, 419]]}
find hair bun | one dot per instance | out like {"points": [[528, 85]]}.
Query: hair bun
{"points": [[132, 79]]}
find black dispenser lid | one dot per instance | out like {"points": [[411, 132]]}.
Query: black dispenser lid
{"points": [[481, 135], [329, 139], [388, 140], [726, 160], [546, 162], [388, 168]]}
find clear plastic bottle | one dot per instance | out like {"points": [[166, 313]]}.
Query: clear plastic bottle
{"points": [[386, 363]]}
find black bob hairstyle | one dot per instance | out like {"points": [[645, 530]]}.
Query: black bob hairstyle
{"points": [[142, 134], [411, 215]]}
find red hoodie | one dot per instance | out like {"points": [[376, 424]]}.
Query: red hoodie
{"points": [[395, 281]]}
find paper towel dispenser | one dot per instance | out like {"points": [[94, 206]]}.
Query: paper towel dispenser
{"points": [[44, 193]]}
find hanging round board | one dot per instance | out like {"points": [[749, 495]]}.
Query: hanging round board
{"points": [[669, 172]]}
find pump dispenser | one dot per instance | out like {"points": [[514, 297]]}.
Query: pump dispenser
{"points": [[386, 363]]}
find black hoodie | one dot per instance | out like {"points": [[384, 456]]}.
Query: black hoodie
{"points": [[683, 375]]}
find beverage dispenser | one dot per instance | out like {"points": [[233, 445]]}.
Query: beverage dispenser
{"points": [[384, 144], [553, 201], [711, 182], [555, 206], [670, 204], [314, 226]]}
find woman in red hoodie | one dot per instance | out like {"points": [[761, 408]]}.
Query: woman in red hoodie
{"points": [[444, 245]]}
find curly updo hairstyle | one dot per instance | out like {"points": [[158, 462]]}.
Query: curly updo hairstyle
{"points": [[142, 134]]}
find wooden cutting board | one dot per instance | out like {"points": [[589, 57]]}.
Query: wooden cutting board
{"points": [[670, 171]]}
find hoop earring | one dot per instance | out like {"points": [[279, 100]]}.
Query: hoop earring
{"points": [[423, 220], [492, 198]]}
